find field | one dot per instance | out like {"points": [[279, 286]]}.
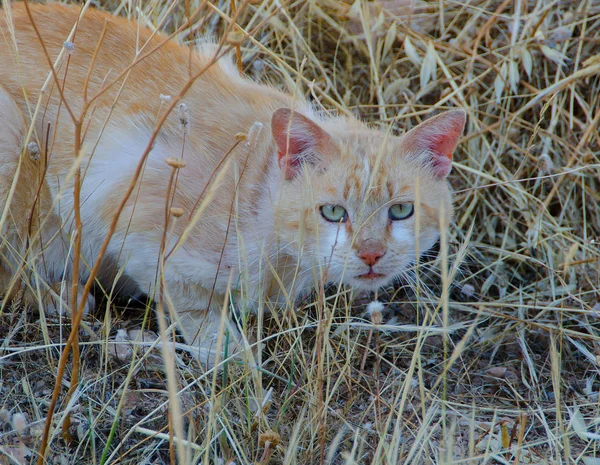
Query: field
{"points": [[490, 355]]}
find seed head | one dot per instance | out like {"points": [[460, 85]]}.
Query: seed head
{"points": [[374, 310], [183, 116], [69, 46], [174, 162], [270, 437], [4, 416], [254, 133], [235, 38], [176, 211], [34, 151]]}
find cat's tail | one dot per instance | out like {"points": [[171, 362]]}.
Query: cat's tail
{"points": [[33, 265], [12, 137], [15, 204]]}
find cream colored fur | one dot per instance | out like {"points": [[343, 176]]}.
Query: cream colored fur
{"points": [[274, 182]]}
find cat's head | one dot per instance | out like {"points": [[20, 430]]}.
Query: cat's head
{"points": [[349, 193]]}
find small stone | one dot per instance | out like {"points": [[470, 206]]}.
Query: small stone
{"points": [[258, 65], [19, 423], [468, 290], [545, 163]]}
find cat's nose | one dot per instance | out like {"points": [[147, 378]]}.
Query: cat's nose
{"points": [[371, 256]]}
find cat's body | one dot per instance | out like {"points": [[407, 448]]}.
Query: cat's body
{"points": [[274, 183]]}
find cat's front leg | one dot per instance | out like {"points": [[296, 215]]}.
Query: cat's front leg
{"points": [[187, 301], [58, 299]]}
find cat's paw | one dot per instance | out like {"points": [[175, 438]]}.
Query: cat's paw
{"points": [[201, 330], [58, 300], [210, 354]]}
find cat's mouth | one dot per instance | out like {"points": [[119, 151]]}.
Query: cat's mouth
{"points": [[371, 275]]}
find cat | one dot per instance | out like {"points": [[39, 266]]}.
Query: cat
{"points": [[268, 197]]}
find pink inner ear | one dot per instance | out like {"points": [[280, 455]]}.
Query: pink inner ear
{"points": [[442, 165], [444, 143], [295, 145], [294, 133], [297, 138], [438, 136]]}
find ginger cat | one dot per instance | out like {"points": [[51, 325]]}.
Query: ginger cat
{"points": [[304, 198]]}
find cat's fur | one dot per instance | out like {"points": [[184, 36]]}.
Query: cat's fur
{"points": [[274, 242]]}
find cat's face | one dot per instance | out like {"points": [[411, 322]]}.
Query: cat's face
{"points": [[348, 203]]}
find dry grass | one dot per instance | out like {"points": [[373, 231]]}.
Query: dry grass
{"points": [[491, 356]]}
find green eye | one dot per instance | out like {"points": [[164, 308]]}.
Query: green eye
{"points": [[401, 211], [334, 213]]}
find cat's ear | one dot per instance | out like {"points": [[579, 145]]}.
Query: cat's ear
{"points": [[436, 138], [299, 140]]}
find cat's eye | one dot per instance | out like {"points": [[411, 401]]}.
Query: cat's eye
{"points": [[401, 211], [334, 213]]}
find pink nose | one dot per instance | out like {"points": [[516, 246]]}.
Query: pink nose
{"points": [[370, 257]]}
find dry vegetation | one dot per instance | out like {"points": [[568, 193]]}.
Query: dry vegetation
{"points": [[491, 355]]}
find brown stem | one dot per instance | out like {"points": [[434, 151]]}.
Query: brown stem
{"points": [[266, 454], [238, 47], [77, 316], [76, 196], [49, 60], [212, 292], [141, 58], [75, 280], [78, 139], [482, 32], [112, 228], [94, 56]]}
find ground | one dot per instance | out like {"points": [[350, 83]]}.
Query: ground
{"points": [[491, 356]]}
